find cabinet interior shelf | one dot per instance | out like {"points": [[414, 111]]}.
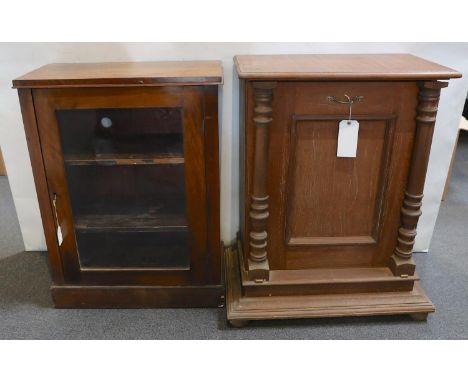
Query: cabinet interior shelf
{"points": [[131, 222], [146, 214], [122, 159]]}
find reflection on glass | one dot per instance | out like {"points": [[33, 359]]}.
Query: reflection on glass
{"points": [[126, 179]]}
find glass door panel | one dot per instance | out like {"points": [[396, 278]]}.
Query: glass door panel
{"points": [[125, 171]]}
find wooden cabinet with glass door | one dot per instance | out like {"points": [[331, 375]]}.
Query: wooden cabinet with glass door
{"points": [[125, 161]]}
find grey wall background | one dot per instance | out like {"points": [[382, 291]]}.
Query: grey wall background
{"points": [[19, 58]]}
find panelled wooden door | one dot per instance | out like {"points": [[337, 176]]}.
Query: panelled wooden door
{"points": [[131, 208], [329, 211]]}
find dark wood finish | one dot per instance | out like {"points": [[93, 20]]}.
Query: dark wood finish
{"points": [[106, 74], [40, 180], [334, 227], [214, 250], [116, 193], [114, 159], [331, 67], [100, 297]]}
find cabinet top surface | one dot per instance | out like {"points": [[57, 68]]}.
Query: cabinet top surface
{"points": [[103, 74], [341, 67]]}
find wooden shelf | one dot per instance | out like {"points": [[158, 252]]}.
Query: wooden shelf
{"points": [[144, 222], [145, 214], [124, 149], [123, 159]]}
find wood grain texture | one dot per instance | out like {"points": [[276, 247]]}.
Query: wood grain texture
{"points": [[324, 281], [145, 222], [100, 297], [243, 308], [125, 159], [329, 211], [259, 211], [324, 67], [401, 261], [40, 180], [352, 183], [212, 169], [105, 74]]}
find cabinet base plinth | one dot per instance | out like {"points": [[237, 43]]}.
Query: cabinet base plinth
{"points": [[242, 309], [137, 296]]}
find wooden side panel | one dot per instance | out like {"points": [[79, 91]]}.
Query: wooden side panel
{"points": [[195, 181], [212, 183], [248, 158], [242, 165]]}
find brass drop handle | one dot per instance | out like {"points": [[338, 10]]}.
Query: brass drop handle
{"points": [[348, 101]]}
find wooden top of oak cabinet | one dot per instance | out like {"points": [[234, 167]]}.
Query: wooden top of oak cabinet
{"points": [[323, 67], [105, 74]]}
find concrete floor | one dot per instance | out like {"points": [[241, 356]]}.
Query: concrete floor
{"points": [[26, 310]]}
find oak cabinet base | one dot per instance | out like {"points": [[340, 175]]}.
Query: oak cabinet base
{"points": [[137, 296], [241, 308]]}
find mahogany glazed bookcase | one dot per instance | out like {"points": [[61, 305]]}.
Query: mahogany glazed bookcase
{"points": [[126, 167], [322, 234]]}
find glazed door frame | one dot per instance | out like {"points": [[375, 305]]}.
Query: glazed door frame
{"points": [[190, 100]]}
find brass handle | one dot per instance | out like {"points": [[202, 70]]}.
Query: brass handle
{"points": [[348, 102]]}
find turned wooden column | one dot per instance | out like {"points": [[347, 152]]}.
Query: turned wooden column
{"points": [[258, 215], [401, 262]]}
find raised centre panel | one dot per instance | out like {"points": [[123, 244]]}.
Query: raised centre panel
{"points": [[335, 200]]}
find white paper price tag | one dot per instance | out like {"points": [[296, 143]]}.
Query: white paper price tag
{"points": [[59, 235], [348, 132]]}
